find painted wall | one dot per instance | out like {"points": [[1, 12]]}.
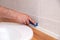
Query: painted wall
{"points": [[50, 15], [46, 11]]}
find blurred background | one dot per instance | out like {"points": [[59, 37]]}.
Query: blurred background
{"points": [[45, 12]]}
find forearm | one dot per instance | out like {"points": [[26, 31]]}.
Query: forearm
{"points": [[3, 10], [7, 13]]}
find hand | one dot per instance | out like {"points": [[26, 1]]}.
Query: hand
{"points": [[18, 16]]}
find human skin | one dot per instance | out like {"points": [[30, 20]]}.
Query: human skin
{"points": [[13, 14]]}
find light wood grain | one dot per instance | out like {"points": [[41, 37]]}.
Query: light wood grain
{"points": [[38, 35]]}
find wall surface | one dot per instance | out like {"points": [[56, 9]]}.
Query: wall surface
{"points": [[50, 15], [46, 11]]}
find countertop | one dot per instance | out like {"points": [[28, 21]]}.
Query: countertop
{"points": [[38, 35]]}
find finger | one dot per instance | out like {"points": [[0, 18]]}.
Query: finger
{"points": [[24, 21], [30, 19], [27, 22]]}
